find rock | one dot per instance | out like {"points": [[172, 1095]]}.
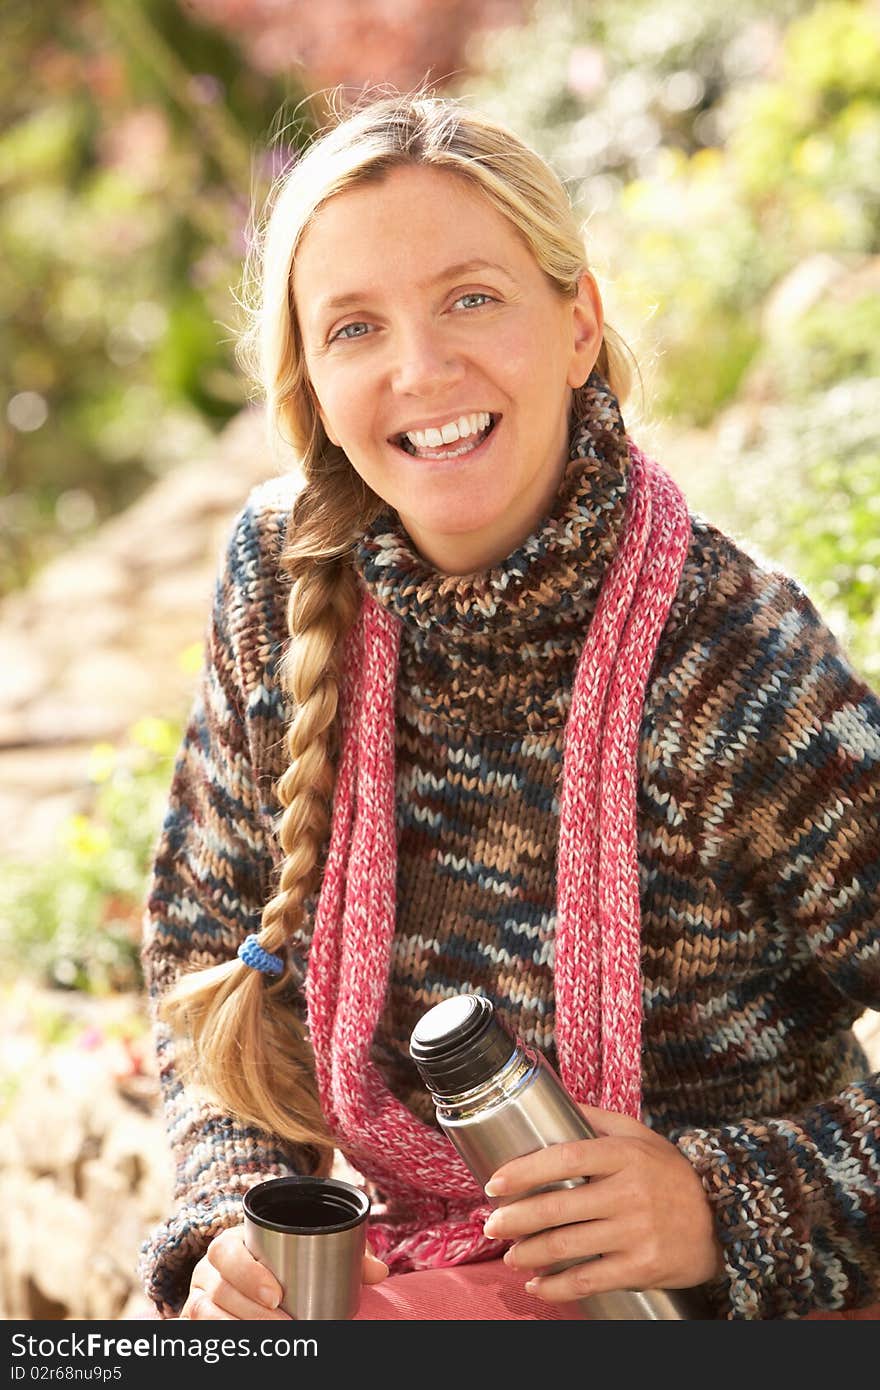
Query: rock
{"points": [[52, 1149], [137, 1150], [23, 673], [46, 1234], [84, 576]]}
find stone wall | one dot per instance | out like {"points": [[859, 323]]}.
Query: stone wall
{"points": [[85, 1169]]}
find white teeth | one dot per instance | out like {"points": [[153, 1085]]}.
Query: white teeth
{"points": [[447, 434]]}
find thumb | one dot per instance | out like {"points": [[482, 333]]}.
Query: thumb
{"points": [[374, 1269]]}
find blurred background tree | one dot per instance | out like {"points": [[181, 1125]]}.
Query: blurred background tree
{"points": [[126, 166], [710, 148]]}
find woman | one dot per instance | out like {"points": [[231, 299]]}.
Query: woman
{"points": [[485, 709]]}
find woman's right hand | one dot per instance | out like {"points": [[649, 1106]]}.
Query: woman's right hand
{"points": [[229, 1283]]}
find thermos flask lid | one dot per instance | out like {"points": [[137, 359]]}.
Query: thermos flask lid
{"points": [[459, 1044]]}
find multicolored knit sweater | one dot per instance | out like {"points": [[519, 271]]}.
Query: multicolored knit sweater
{"points": [[759, 858]]}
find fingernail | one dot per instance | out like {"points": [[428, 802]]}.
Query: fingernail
{"points": [[532, 1285], [494, 1187], [269, 1298]]}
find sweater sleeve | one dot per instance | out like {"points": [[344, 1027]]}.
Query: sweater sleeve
{"points": [[794, 767], [210, 878]]}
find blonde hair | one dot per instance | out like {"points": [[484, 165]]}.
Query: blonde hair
{"points": [[248, 1046]]}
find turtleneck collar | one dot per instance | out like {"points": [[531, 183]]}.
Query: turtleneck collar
{"points": [[529, 613]]}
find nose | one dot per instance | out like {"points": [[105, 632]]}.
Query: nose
{"points": [[426, 363]]}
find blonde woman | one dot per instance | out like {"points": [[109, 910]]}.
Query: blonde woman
{"points": [[485, 709]]}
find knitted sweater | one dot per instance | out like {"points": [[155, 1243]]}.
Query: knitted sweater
{"points": [[759, 863]]}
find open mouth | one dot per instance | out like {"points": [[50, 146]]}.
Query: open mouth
{"points": [[455, 449]]}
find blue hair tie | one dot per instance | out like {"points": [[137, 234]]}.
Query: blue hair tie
{"points": [[252, 953]]}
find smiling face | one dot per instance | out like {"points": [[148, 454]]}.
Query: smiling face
{"points": [[442, 359]]}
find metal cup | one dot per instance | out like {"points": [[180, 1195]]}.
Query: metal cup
{"points": [[311, 1233]]}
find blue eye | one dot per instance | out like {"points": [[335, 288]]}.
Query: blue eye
{"points": [[344, 333], [359, 329]]}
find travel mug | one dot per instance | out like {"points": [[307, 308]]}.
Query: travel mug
{"points": [[497, 1099], [312, 1234]]}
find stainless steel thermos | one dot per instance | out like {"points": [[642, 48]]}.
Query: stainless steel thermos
{"points": [[497, 1099]]}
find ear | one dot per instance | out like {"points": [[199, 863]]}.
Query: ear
{"points": [[588, 324]]}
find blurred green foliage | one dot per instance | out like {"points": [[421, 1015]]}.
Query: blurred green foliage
{"points": [[74, 918], [803, 495], [709, 149], [829, 343], [127, 164]]}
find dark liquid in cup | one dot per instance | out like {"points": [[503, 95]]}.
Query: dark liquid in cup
{"points": [[308, 1210]]}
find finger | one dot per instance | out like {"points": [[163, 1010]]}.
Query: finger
{"points": [[586, 1202], [374, 1270], [576, 1158], [199, 1308], [231, 1300], [580, 1241], [235, 1279], [596, 1276]]}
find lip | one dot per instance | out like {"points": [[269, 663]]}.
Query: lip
{"points": [[455, 465], [440, 420]]}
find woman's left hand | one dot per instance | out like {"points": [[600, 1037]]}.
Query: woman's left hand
{"points": [[644, 1211]]}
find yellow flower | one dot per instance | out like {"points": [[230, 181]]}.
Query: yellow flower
{"points": [[813, 156], [102, 761], [83, 839], [190, 659], [156, 735]]}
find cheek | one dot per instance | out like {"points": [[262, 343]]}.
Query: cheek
{"points": [[338, 407], [513, 356], [526, 372]]}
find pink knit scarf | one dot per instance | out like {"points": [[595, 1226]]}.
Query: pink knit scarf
{"points": [[435, 1209]]}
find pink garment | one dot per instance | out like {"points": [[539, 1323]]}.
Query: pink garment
{"points": [[487, 1292], [435, 1210], [490, 1292]]}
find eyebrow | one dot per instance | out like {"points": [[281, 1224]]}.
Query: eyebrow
{"points": [[343, 301]]}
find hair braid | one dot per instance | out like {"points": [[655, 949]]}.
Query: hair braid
{"points": [[248, 1048], [321, 609]]}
